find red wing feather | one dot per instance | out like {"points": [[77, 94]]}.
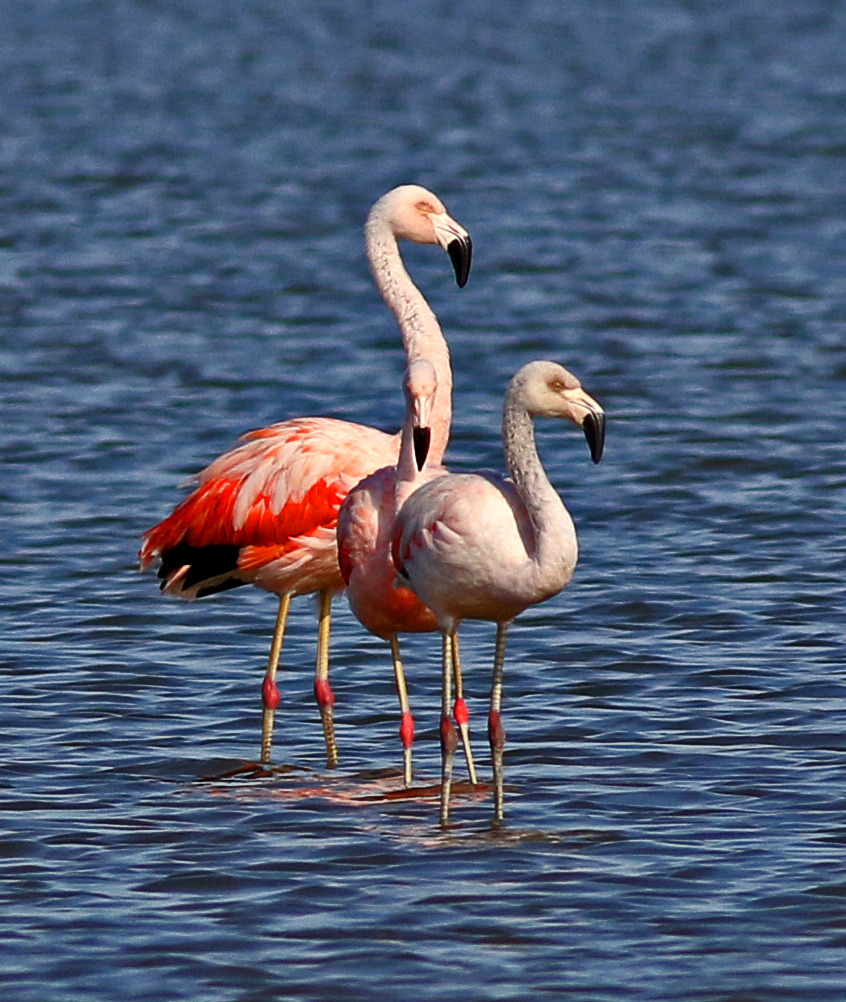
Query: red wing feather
{"points": [[206, 518]]}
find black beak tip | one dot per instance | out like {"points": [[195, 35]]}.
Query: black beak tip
{"points": [[421, 438], [594, 429], [461, 254]]}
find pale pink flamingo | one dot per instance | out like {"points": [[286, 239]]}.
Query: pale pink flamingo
{"points": [[477, 546], [265, 513], [365, 530]]}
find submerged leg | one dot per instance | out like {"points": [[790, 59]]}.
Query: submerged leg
{"points": [[496, 735], [269, 691], [322, 690], [406, 720], [449, 739], [462, 717]]}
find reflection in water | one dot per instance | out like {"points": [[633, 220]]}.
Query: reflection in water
{"points": [[365, 789]]}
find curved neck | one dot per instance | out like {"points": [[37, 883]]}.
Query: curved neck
{"points": [[422, 336], [555, 551]]}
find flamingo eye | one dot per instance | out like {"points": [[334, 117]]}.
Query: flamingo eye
{"points": [[426, 208]]}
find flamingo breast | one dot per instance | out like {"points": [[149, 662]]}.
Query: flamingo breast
{"points": [[365, 527], [443, 546]]}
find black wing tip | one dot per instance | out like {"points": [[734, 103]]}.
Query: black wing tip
{"points": [[206, 563]]}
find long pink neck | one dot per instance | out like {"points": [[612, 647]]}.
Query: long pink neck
{"points": [[422, 336]]}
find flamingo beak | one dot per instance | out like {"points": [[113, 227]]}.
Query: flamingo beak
{"points": [[593, 426], [461, 254], [584, 411], [421, 437], [421, 428], [456, 241]]}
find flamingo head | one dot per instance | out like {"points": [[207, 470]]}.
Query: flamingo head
{"points": [[546, 389], [416, 214], [421, 384]]}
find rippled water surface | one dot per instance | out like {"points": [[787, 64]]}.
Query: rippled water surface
{"points": [[657, 196]]}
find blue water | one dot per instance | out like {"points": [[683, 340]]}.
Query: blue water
{"points": [[657, 197]]}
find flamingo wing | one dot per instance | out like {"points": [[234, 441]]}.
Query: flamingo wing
{"points": [[265, 512], [361, 519]]}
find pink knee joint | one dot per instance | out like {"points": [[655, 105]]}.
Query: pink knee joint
{"points": [[269, 693], [407, 730], [496, 734], [460, 712], [323, 693], [449, 738]]}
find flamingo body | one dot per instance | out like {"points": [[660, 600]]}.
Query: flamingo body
{"points": [[475, 546], [364, 552], [468, 546]]}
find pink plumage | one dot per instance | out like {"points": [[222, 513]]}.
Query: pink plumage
{"points": [[365, 530], [478, 546]]}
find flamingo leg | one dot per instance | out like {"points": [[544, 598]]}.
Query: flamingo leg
{"points": [[322, 690], [449, 738], [269, 690], [406, 719], [462, 717], [496, 734]]}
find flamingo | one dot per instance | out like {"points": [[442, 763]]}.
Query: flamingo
{"points": [[365, 527], [478, 546], [265, 512]]}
